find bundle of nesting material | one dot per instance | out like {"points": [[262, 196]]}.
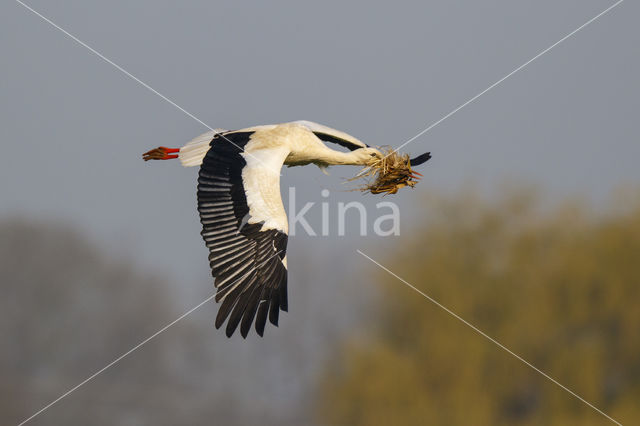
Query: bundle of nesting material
{"points": [[387, 175]]}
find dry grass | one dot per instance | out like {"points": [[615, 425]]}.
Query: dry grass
{"points": [[389, 174]]}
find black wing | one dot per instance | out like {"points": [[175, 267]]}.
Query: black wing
{"points": [[327, 134], [247, 263], [326, 137]]}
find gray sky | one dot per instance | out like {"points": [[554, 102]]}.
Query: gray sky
{"points": [[73, 127]]}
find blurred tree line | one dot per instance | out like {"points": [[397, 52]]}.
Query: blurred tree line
{"points": [[560, 287], [67, 309]]}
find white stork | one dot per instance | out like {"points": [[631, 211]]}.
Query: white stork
{"points": [[244, 222]]}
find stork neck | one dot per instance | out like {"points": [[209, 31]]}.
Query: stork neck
{"points": [[331, 156]]}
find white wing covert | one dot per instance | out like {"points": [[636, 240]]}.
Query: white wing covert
{"points": [[245, 229]]}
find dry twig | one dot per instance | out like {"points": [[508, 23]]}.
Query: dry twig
{"points": [[388, 174]]}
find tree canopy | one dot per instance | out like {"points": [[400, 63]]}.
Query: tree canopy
{"points": [[560, 288]]}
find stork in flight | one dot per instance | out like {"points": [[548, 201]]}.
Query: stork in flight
{"points": [[239, 178]]}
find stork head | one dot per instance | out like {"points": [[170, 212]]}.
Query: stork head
{"points": [[367, 156]]}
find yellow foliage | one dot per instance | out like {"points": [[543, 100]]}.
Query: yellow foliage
{"points": [[561, 289]]}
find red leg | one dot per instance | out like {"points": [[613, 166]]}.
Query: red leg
{"points": [[160, 153]]}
